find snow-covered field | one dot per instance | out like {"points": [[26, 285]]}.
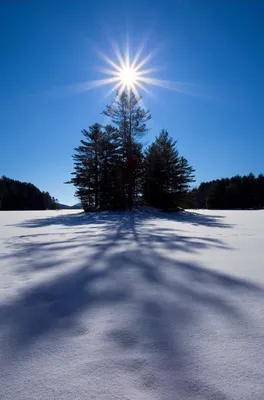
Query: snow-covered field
{"points": [[132, 306]]}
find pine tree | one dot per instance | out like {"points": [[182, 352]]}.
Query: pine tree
{"points": [[130, 119], [110, 169], [186, 177], [86, 166], [97, 164], [167, 175]]}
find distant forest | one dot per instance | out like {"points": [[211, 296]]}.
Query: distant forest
{"points": [[16, 195], [245, 192]]}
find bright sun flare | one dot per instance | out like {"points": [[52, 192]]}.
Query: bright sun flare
{"points": [[128, 76], [123, 74]]}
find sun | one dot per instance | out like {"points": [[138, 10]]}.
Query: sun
{"points": [[128, 77], [124, 73]]}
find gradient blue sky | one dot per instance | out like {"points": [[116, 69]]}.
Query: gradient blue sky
{"points": [[216, 48]]}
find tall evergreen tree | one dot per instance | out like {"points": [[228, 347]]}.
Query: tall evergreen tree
{"points": [[97, 168], [86, 167], [131, 120], [167, 175], [110, 169]]}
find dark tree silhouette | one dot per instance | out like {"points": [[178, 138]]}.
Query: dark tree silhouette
{"points": [[111, 171], [98, 168], [130, 119], [167, 175]]}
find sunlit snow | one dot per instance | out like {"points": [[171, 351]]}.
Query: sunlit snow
{"points": [[142, 305]]}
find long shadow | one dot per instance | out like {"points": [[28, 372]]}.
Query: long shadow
{"points": [[169, 297], [103, 232], [191, 218], [40, 308]]}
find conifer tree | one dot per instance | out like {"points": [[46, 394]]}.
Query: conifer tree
{"points": [[97, 163], [86, 166], [167, 175], [131, 120]]}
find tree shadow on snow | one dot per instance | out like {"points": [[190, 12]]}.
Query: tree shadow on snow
{"points": [[105, 231], [81, 219], [130, 273]]}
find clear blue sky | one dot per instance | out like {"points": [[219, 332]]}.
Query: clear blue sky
{"points": [[216, 47]]}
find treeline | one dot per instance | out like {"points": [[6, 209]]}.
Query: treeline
{"points": [[113, 172], [16, 195], [245, 192]]}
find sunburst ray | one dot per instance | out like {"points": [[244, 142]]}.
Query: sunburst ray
{"points": [[125, 73]]}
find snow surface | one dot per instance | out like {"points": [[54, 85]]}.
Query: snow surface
{"points": [[131, 306]]}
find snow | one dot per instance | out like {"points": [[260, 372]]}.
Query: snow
{"points": [[141, 305]]}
